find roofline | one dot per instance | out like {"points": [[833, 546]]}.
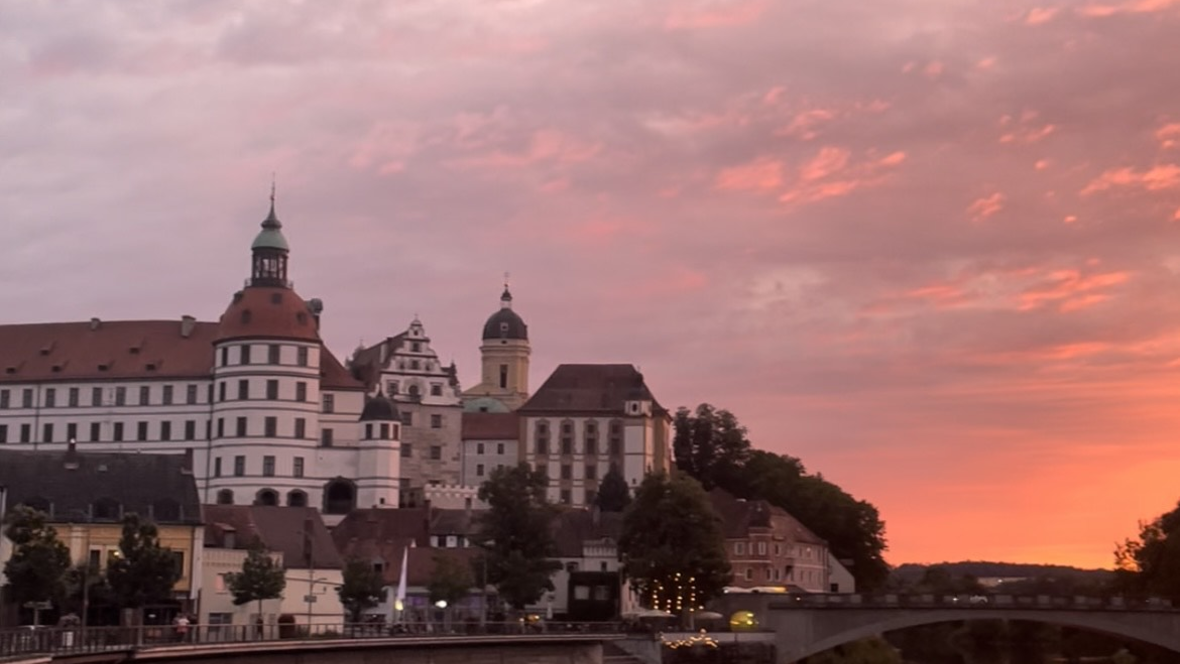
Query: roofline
{"points": [[6, 379], [587, 413], [240, 337]]}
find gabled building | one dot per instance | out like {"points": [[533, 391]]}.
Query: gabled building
{"points": [[87, 494], [586, 419], [295, 535], [490, 441], [589, 585], [271, 415], [767, 547]]}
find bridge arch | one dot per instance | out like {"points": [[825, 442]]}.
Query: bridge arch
{"points": [[833, 628]]}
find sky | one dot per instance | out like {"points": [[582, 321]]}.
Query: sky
{"points": [[929, 247]]}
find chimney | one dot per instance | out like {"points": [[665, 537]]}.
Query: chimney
{"points": [[316, 306], [187, 323], [71, 461], [94, 324], [187, 468]]}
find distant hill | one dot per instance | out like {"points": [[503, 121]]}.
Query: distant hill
{"points": [[911, 573]]}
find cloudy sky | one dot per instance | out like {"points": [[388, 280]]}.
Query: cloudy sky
{"points": [[931, 247]]}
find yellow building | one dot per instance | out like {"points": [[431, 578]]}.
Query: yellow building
{"points": [[86, 496]]}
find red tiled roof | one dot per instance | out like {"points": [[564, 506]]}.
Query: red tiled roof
{"points": [[129, 349], [739, 516], [269, 313], [490, 426], [590, 388], [281, 529]]}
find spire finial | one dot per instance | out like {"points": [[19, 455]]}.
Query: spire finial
{"points": [[272, 220]]}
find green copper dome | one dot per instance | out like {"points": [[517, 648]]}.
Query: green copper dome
{"points": [[271, 235]]}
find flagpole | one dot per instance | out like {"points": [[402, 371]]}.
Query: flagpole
{"points": [[399, 601]]}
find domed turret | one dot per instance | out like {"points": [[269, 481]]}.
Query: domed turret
{"points": [[505, 323], [379, 408]]}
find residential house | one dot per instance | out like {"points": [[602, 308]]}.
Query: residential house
{"points": [[490, 441], [769, 548], [298, 536]]}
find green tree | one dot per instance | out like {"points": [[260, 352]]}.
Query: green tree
{"points": [[142, 572], [362, 589], [1150, 564], [261, 578], [450, 582], [672, 545], [710, 445], [613, 493], [515, 536], [39, 564]]}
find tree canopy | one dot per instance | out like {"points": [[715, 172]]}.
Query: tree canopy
{"points": [[613, 493], [38, 567], [514, 534], [672, 545], [362, 589], [450, 580], [1150, 564], [142, 572], [712, 447], [261, 578]]}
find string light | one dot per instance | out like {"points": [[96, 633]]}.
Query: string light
{"points": [[702, 640]]}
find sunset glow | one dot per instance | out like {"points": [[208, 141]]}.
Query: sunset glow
{"points": [[930, 247]]}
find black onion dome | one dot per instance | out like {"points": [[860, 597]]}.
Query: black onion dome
{"points": [[505, 323], [379, 408]]}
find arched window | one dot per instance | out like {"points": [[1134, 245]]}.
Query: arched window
{"points": [[339, 497], [296, 498], [107, 509], [166, 509], [414, 391], [225, 497], [267, 498]]}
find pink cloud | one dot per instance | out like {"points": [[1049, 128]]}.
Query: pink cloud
{"points": [[1156, 178], [1099, 10], [544, 146], [716, 14], [762, 174], [1039, 15], [1168, 135], [982, 208]]}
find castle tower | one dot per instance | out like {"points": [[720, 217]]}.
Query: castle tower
{"points": [[504, 359], [379, 453], [266, 386]]}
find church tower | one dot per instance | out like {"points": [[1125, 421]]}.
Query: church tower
{"points": [[504, 359]]}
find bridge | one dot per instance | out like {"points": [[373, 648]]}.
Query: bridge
{"points": [[806, 625], [509, 643]]}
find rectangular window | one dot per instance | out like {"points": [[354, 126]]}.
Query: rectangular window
{"points": [[117, 432], [435, 452], [245, 354], [542, 444], [26, 398], [239, 466], [436, 421], [217, 467], [224, 356], [499, 448], [391, 388], [270, 427], [329, 403], [591, 471], [26, 433], [567, 472], [408, 419], [221, 391], [96, 396], [145, 395], [268, 466], [300, 427], [120, 396], [273, 353], [74, 395], [566, 497], [190, 394], [301, 391], [47, 433], [301, 356], [385, 431], [50, 397], [503, 376], [435, 390], [165, 430], [243, 390], [221, 427], [72, 432], [739, 548], [407, 450], [297, 467], [141, 431], [3, 433], [326, 437], [95, 431], [166, 398], [479, 448], [4, 399], [241, 427], [479, 470], [190, 430], [272, 389], [567, 444]]}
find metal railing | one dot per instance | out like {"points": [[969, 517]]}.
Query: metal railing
{"points": [[973, 601], [66, 640]]}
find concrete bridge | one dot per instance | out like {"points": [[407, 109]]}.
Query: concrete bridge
{"points": [[806, 625]]}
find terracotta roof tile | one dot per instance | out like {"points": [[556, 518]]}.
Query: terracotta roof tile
{"points": [[590, 388], [269, 313], [490, 426], [281, 529]]}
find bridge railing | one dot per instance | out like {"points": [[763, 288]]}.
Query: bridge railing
{"points": [[1078, 602], [62, 640]]}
